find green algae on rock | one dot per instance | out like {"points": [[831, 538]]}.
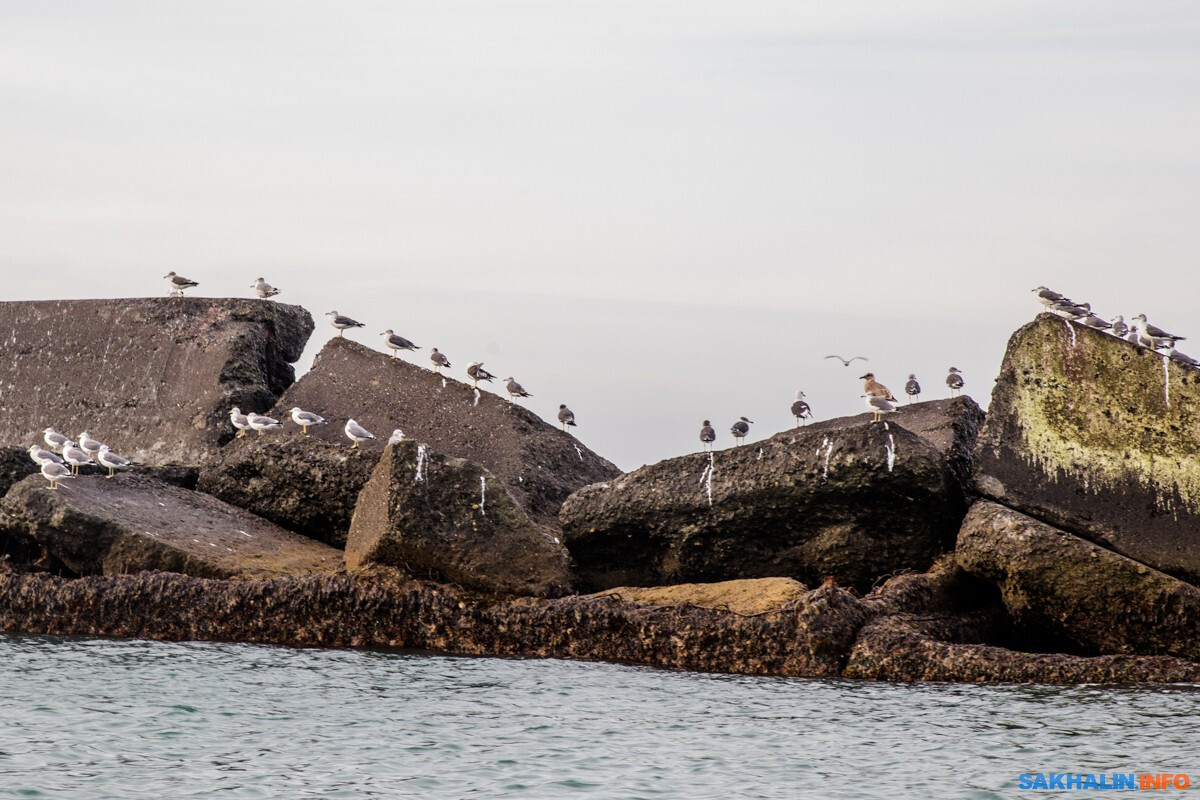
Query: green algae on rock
{"points": [[1100, 438]]}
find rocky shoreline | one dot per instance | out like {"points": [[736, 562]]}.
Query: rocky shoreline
{"points": [[1054, 541]]}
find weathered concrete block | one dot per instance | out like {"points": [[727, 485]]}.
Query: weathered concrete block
{"points": [[854, 502], [429, 513], [540, 464], [1099, 438], [154, 378], [94, 525], [1070, 591], [302, 483]]}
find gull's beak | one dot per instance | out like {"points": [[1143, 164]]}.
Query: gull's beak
{"points": [[862, 377]]}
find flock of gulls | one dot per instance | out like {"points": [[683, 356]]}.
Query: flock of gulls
{"points": [[64, 458], [1138, 330]]}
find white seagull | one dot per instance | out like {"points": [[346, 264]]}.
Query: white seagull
{"points": [[42, 456], [397, 342], [357, 433], [261, 422], [306, 419], [342, 323], [76, 456], [55, 473], [240, 421], [263, 289], [740, 429], [55, 439], [178, 283], [89, 444], [111, 461]]}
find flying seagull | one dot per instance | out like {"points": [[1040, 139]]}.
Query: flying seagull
{"points": [[708, 434], [515, 389], [397, 343], [263, 289], [178, 283], [240, 421], [439, 360], [306, 419], [846, 361], [566, 416], [740, 428], [801, 409], [478, 373], [55, 473], [912, 388], [955, 381], [111, 461], [357, 433], [342, 323]]}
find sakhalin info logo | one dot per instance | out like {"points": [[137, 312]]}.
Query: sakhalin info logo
{"points": [[1059, 781]]}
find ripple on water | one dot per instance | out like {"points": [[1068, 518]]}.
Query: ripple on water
{"points": [[133, 719]]}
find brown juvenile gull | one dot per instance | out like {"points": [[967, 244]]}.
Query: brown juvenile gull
{"points": [[306, 419], [912, 388], [873, 388], [739, 429], [515, 389], [342, 323], [846, 361], [357, 433], [477, 373], [263, 289], [55, 473], [178, 283], [240, 421], [111, 461], [566, 416], [800, 409], [955, 381], [708, 434], [397, 342], [439, 360]]}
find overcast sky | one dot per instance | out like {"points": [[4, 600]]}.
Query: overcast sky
{"points": [[654, 212]]}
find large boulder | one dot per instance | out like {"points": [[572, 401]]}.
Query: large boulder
{"points": [[1100, 438], [155, 378], [1070, 594], [855, 502], [302, 483], [452, 520], [94, 525], [540, 464]]}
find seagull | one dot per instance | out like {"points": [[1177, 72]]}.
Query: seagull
{"points": [[879, 406], [1068, 311], [1141, 339], [306, 419], [566, 416], [76, 456], [110, 460], [260, 423], [1134, 337], [1095, 322], [357, 433], [874, 388], [846, 361], [800, 409], [342, 323], [42, 456], [478, 373], [240, 421], [264, 289], [1049, 298], [515, 389], [708, 434], [178, 283], [397, 436], [90, 445], [955, 381], [1161, 337], [739, 429], [439, 360], [912, 388], [396, 342], [55, 439], [1118, 327], [55, 473], [1173, 354]]}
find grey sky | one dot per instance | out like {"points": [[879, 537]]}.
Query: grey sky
{"points": [[655, 212]]}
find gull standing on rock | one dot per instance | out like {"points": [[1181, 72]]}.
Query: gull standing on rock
{"points": [[439, 360], [261, 422], [955, 381], [42, 456], [801, 410], [77, 457], [912, 388], [1181, 358], [1118, 327], [878, 406], [263, 289], [1161, 338], [1049, 298], [111, 461], [873, 388], [1095, 322], [739, 429], [306, 419], [515, 389], [90, 445], [342, 323], [478, 373], [55, 439], [357, 433], [566, 416], [178, 283], [55, 473], [240, 421], [708, 435], [397, 343]]}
